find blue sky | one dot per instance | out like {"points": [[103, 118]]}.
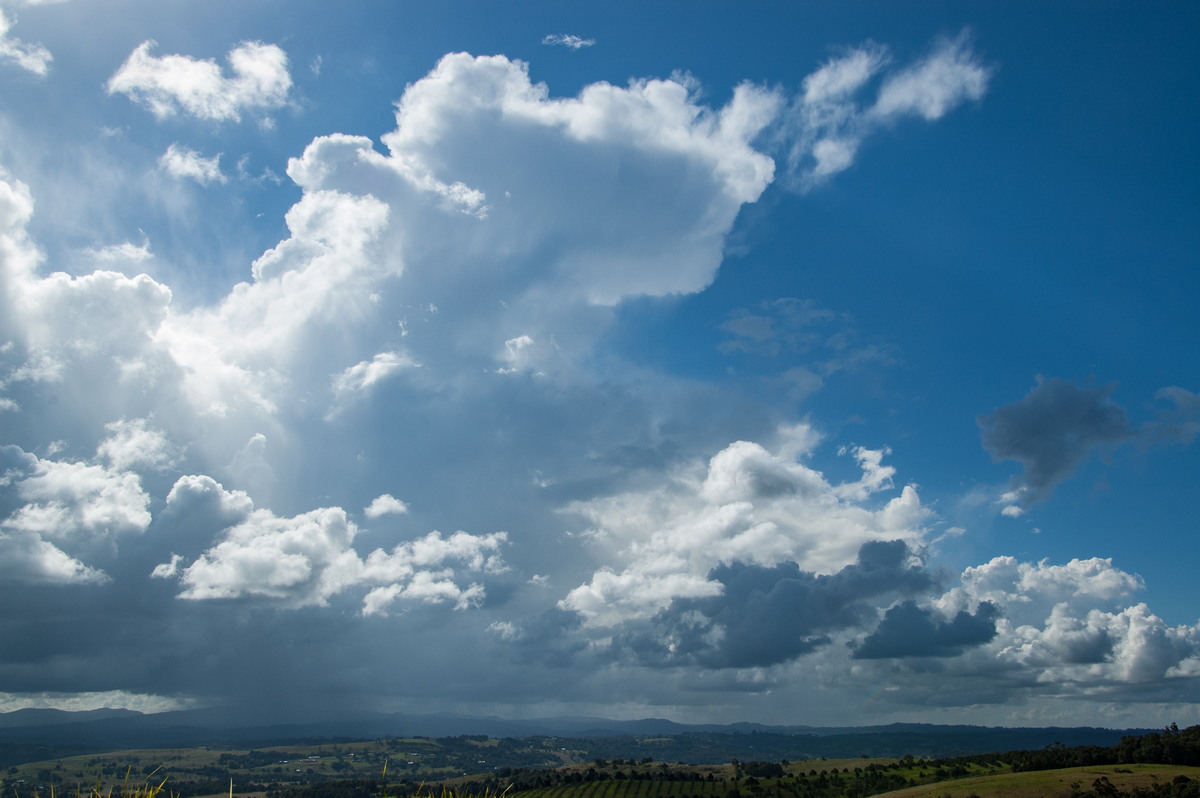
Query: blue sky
{"points": [[794, 363]]}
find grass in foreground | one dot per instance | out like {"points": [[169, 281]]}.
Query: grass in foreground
{"points": [[147, 789]]}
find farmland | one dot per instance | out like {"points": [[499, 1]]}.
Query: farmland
{"points": [[1166, 764]]}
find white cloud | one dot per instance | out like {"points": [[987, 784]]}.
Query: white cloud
{"points": [[88, 347], [1028, 591], [827, 124], [124, 253], [56, 507], [174, 83], [842, 77], [385, 504], [169, 569], [1072, 628], [362, 376], [649, 120], [202, 498], [133, 443], [523, 353], [63, 328], [76, 501], [26, 557], [30, 57], [418, 570], [179, 161], [102, 313], [1011, 510], [18, 256], [309, 559], [239, 354], [948, 77], [505, 630], [748, 505], [298, 561]]}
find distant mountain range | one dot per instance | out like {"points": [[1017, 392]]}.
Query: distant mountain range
{"points": [[61, 733]]}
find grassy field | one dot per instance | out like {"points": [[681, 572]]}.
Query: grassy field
{"points": [[1047, 783], [419, 759]]}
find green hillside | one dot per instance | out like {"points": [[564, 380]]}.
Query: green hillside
{"points": [[1171, 779]]}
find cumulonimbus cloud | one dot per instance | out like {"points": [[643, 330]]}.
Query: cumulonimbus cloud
{"points": [[553, 211]]}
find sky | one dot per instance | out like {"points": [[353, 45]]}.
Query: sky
{"points": [[800, 363]]}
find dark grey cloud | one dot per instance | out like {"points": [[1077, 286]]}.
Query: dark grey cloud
{"points": [[1087, 646], [768, 615], [1057, 426], [908, 630], [551, 638]]}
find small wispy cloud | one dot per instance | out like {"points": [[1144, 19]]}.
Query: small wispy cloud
{"points": [[568, 40], [180, 161], [31, 57], [125, 252], [828, 121]]}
